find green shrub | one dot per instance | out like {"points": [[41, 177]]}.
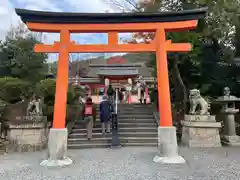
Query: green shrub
{"points": [[46, 88], [13, 90], [74, 93]]}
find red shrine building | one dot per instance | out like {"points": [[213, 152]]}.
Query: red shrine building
{"points": [[117, 70]]}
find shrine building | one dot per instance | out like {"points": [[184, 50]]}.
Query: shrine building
{"points": [[117, 69]]}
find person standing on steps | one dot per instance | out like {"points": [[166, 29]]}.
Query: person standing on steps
{"points": [[89, 116], [120, 95], [141, 85], [106, 109], [110, 93]]}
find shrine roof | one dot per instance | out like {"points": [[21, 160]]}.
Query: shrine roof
{"points": [[117, 71], [108, 18]]}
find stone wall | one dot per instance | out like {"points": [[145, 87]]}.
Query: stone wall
{"points": [[27, 136]]}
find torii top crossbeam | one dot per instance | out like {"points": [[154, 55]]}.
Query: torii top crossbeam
{"points": [[111, 23]]}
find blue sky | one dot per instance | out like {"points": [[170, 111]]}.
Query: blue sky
{"points": [[9, 18]]}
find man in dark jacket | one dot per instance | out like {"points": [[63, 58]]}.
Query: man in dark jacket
{"points": [[105, 114], [110, 93], [89, 115]]}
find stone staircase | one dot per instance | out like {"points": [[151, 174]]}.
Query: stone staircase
{"points": [[3, 146], [138, 124], [137, 127]]}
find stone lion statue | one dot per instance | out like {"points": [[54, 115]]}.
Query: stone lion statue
{"points": [[196, 100], [35, 107]]}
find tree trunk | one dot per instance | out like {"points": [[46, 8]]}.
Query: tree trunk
{"points": [[181, 83]]}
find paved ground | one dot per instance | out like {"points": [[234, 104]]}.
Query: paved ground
{"points": [[125, 164]]}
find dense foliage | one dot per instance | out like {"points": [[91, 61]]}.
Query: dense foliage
{"points": [[14, 89], [210, 65], [23, 72], [18, 59], [46, 89]]}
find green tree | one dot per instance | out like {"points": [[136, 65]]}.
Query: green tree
{"points": [[14, 89], [212, 45], [17, 56]]}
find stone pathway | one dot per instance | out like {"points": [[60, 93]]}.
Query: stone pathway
{"points": [[125, 164]]}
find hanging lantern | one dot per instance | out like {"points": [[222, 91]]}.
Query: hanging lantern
{"points": [[129, 80], [106, 82], [76, 81]]}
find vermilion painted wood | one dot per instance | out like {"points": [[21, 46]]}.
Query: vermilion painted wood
{"points": [[160, 45], [124, 27]]}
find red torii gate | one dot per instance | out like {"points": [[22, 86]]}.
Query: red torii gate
{"points": [[112, 23]]}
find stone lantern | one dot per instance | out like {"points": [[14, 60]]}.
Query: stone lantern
{"points": [[228, 110]]}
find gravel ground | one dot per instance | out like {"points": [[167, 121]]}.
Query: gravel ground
{"points": [[125, 164]]}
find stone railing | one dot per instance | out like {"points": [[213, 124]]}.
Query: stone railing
{"points": [[156, 116]]}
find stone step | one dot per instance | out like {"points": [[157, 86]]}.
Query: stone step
{"points": [[135, 112], [121, 134], [135, 105], [106, 140], [135, 116], [124, 129], [84, 130], [107, 145], [120, 121], [83, 135], [135, 108], [146, 144], [3, 145], [100, 140], [136, 120], [147, 122], [138, 139], [137, 124], [132, 107], [88, 146], [138, 129], [122, 125]]}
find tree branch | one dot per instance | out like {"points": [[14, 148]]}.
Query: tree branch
{"points": [[129, 5]]}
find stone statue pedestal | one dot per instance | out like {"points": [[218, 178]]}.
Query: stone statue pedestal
{"points": [[231, 140], [229, 136], [200, 131]]}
